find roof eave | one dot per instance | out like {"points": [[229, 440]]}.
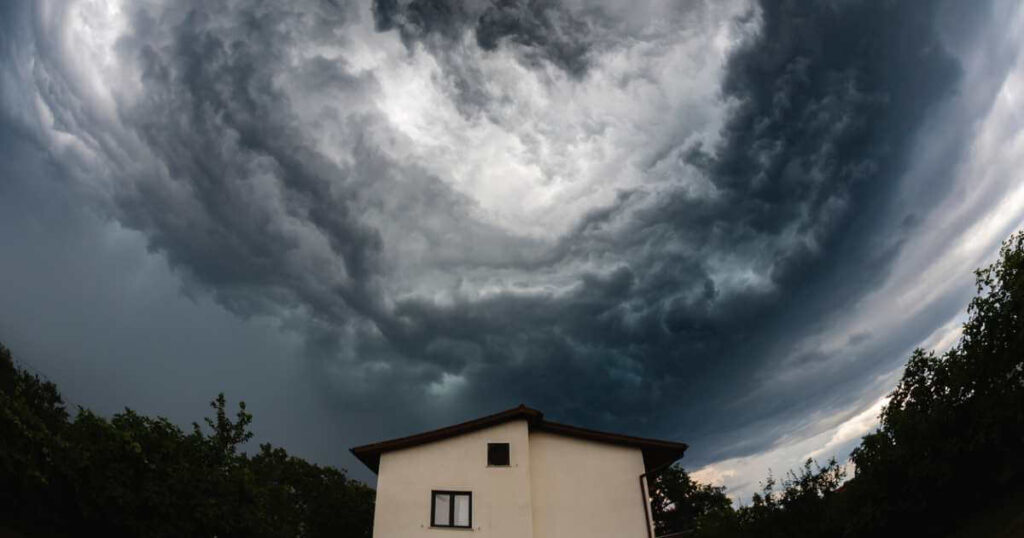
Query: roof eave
{"points": [[657, 453]]}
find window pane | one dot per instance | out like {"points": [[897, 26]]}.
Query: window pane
{"points": [[441, 509], [497, 454], [462, 510]]}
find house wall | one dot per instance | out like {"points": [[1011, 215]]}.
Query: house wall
{"points": [[584, 489], [501, 495]]}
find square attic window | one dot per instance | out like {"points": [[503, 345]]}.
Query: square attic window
{"points": [[497, 454]]}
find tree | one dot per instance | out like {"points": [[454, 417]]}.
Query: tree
{"points": [[679, 504], [947, 447], [33, 422], [805, 506], [952, 433], [138, 476]]}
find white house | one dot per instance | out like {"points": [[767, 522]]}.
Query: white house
{"points": [[515, 475]]}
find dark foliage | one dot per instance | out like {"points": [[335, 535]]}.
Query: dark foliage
{"points": [[138, 476], [948, 448], [680, 504]]}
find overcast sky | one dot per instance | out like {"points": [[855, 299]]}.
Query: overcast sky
{"points": [[722, 222]]}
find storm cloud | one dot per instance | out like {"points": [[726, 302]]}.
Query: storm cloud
{"points": [[656, 218]]}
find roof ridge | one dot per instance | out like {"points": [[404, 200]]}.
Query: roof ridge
{"points": [[657, 452]]}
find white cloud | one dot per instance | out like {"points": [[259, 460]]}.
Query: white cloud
{"points": [[544, 148], [832, 436], [851, 430]]}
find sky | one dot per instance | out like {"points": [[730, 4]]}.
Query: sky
{"points": [[721, 222]]}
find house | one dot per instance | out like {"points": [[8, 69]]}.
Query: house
{"points": [[515, 475]]}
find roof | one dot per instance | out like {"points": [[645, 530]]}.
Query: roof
{"points": [[657, 453]]}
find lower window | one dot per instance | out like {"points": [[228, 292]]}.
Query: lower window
{"points": [[451, 509]]}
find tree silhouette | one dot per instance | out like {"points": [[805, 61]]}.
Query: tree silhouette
{"points": [[134, 475], [679, 504], [946, 457]]}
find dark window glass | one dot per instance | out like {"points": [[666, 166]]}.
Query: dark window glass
{"points": [[497, 454], [451, 509]]}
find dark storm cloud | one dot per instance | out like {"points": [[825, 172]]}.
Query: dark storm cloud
{"points": [[216, 168], [543, 29], [830, 99], [253, 188]]}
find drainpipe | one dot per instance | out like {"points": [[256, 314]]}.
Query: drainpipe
{"points": [[645, 494]]}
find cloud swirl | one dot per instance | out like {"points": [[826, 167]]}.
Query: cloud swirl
{"points": [[621, 215]]}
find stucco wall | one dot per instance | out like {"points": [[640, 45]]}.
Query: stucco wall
{"points": [[583, 489], [501, 495]]}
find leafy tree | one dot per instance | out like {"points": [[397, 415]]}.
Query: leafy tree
{"points": [[32, 424], [951, 436], [947, 448], [134, 475], [804, 507], [680, 504]]}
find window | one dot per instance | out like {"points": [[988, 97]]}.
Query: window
{"points": [[451, 509], [497, 454]]}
